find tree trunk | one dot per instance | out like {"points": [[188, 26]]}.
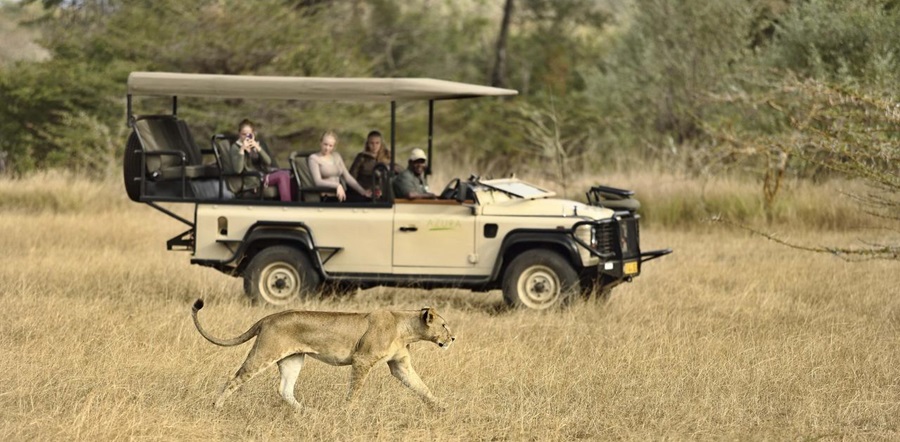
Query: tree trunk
{"points": [[498, 76]]}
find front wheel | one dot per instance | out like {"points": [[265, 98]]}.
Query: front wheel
{"points": [[279, 275], [539, 279]]}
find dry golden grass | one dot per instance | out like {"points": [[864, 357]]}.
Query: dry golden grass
{"points": [[730, 337]]}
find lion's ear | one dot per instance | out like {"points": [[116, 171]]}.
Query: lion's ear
{"points": [[427, 316]]}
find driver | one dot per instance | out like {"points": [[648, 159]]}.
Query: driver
{"points": [[412, 183]]}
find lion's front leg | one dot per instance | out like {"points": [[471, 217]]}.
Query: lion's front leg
{"points": [[402, 369]]}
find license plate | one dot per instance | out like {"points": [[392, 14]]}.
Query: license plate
{"points": [[631, 267]]}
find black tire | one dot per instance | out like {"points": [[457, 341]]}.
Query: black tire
{"points": [[279, 275], [539, 280], [131, 167]]}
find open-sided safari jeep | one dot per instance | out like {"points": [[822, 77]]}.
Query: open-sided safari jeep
{"points": [[480, 234]]}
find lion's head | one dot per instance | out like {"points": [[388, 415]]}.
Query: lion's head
{"points": [[436, 329]]}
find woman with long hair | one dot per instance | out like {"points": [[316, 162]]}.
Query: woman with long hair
{"points": [[327, 168]]}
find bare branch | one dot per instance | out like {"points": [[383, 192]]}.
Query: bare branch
{"points": [[873, 252]]}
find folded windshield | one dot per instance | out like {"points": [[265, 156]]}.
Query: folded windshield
{"points": [[519, 189]]}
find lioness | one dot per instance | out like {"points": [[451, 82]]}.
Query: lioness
{"points": [[358, 339]]}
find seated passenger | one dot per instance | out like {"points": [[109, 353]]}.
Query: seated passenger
{"points": [[327, 169], [247, 156], [374, 152], [412, 183]]}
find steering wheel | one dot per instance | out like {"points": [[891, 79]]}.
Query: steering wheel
{"points": [[449, 192]]}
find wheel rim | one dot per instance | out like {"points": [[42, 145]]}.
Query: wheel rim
{"points": [[538, 287], [279, 283]]}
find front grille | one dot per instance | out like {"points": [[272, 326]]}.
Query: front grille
{"points": [[629, 239], [607, 238]]}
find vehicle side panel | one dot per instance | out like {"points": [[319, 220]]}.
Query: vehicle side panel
{"points": [[363, 234], [489, 249]]}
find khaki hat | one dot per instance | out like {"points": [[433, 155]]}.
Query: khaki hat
{"points": [[417, 154]]}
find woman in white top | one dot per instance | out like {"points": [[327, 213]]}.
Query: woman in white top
{"points": [[328, 168]]}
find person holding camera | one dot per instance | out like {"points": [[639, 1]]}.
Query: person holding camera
{"points": [[248, 156]]}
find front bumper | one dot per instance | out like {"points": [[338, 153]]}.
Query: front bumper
{"points": [[616, 242]]}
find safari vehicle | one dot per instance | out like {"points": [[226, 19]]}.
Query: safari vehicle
{"points": [[480, 234]]}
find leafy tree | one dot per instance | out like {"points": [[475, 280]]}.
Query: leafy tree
{"points": [[670, 56], [56, 115], [837, 40]]}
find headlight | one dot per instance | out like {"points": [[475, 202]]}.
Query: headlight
{"points": [[587, 235]]}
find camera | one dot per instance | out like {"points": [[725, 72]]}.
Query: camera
{"points": [[249, 136]]}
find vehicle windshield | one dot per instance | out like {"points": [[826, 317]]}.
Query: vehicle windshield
{"points": [[518, 188]]}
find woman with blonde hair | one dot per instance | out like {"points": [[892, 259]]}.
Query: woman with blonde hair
{"points": [[327, 168]]}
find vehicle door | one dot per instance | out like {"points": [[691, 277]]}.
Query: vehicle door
{"points": [[433, 234]]}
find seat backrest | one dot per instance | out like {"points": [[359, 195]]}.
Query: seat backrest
{"points": [[158, 133], [221, 144], [381, 177], [303, 176], [194, 154], [167, 132]]}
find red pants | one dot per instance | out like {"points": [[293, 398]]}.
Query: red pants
{"points": [[282, 179]]}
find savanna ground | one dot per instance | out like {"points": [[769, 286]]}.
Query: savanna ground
{"points": [[730, 337]]}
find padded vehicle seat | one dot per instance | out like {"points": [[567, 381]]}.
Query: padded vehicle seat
{"points": [[170, 153], [613, 198]]}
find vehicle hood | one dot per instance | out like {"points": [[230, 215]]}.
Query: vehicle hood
{"points": [[546, 207]]}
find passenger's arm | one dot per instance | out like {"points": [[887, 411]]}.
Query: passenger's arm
{"points": [[316, 171]]}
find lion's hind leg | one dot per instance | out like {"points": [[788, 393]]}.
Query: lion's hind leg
{"points": [[255, 363], [289, 368]]}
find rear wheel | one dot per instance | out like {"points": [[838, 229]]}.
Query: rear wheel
{"points": [[539, 279], [131, 167], [279, 275]]}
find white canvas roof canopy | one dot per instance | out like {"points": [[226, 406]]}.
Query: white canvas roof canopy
{"points": [[305, 88], [392, 90]]}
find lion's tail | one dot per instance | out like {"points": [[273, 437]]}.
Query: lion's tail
{"points": [[246, 336]]}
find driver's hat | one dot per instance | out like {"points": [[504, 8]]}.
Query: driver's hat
{"points": [[417, 155]]}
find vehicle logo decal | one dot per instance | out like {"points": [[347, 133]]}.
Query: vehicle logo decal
{"points": [[442, 224]]}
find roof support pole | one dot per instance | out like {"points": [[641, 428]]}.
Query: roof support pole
{"points": [[128, 114], [430, 133], [393, 134], [174, 105]]}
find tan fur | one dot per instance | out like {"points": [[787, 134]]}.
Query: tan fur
{"points": [[360, 340]]}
